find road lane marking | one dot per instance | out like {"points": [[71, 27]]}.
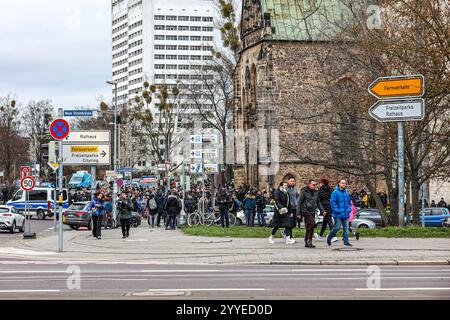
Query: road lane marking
{"points": [[178, 271], [207, 289], [27, 291], [401, 289]]}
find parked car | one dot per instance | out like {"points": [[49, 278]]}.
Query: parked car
{"points": [[434, 217], [78, 215], [11, 219], [40, 201], [370, 214], [357, 223], [268, 216]]}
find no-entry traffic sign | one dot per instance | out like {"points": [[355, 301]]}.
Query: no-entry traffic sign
{"points": [[59, 129], [27, 183], [398, 87]]}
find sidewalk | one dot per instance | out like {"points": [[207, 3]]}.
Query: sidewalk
{"points": [[173, 247]]}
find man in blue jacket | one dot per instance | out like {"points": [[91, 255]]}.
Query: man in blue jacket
{"points": [[341, 208]]}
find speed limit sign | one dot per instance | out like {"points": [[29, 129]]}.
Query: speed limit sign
{"points": [[27, 183]]}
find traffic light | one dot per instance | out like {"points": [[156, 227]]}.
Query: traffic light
{"points": [[48, 152], [44, 152], [119, 119]]}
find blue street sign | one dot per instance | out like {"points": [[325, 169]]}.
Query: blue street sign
{"points": [[78, 113], [125, 170]]}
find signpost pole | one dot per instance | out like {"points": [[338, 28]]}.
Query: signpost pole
{"points": [[27, 209], [55, 201], [60, 183], [94, 178], [401, 173]]}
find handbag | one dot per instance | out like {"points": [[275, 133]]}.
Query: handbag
{"points": [[281, 211]]}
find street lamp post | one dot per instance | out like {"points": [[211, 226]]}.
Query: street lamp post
{"points": [[115, 83]]}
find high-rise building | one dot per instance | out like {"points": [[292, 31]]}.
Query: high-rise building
{"points": [[159, 41]]}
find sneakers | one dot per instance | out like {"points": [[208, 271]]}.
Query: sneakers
{"points": [[334, 239], [357, 235], [289, 240], [319, 238], [328, 241], [348, 245], [271, 240], [309, 244]]}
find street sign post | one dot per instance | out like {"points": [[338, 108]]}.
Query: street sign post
{"points": [[398, 87], [87, 154], [25, 171], [88, 137], [398, 110], [78, 113], [59, 129], [27, 184], [399, 103]]}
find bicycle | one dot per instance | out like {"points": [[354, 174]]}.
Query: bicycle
{"points": [[208, 218]]}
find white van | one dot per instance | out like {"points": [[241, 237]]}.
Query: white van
{"points": [[40, 201]]}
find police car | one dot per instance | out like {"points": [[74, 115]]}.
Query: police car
{"points": [[40, 201]]}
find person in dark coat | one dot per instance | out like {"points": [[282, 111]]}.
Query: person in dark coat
{"points": [[224, 202], [281, 217], [260, 205], [325, 195], [161, 202], [151, 210], [308, 203], [125, 207], [173, 209]]}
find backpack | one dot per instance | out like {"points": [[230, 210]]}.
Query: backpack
{"points": [[152, 204]]}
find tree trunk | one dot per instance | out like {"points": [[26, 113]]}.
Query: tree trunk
{"points": [[415, 189]]}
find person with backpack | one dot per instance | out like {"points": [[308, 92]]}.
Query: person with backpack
{"points": [[152, 210]]}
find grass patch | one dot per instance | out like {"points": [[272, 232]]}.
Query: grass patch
{"points": [[259, 232]]}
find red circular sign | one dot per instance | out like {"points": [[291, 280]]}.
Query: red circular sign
{"points": [[28, 183], [59, 129]]}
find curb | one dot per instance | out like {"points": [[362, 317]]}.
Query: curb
{"points": [[365, 263]]}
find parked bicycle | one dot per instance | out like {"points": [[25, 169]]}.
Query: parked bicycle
{"points": [[208, 218]]}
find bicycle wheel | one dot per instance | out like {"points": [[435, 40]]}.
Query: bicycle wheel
{"points": [[232, 220], [210, 217], [194, 219]]}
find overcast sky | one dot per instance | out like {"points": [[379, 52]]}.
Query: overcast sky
{"points": [[56, 49]]}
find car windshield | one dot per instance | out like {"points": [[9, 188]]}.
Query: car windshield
{"points": [[76, 179]]}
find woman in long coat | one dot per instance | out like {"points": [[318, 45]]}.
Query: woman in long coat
{"points": [[282, 217]]}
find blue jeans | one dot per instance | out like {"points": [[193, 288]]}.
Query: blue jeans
{"points": [[171, 221], [337, 227], [261, 220], [224, 218], [250, 217]]}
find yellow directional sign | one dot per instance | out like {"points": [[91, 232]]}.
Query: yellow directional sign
{"points": [[84, 149], [398, 87]]}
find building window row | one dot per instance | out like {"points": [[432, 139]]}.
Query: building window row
{"points": [[136, 81], [183, 38], [135, 53], [134, 91], [115, 73], [134, 72], [181, 57], [135, 44], [119, 54], [137, 4], [183, 18], [120, 19], [120, 45], [135, 34], [119, 28], [120, 36], [135, 25], [135, 62], [183, 76], [183, 47], [118, 63]]}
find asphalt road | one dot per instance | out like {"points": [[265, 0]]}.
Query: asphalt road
{"points": [[50, 280], [37, 226]]}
